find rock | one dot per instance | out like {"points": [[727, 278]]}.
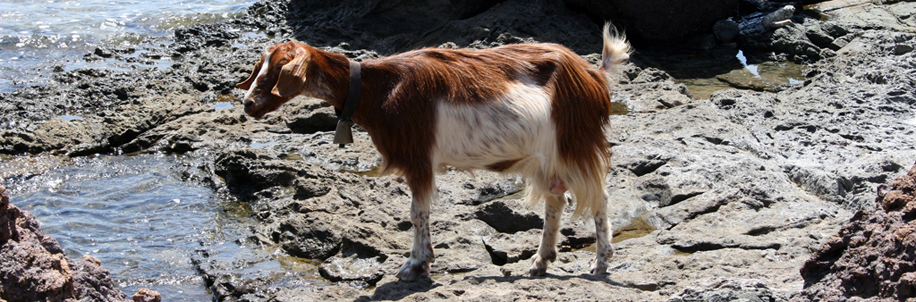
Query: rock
{"points": [[818, 37], [36, 269], [779, 18], [147, 295], [505, 248], [390, 26], [725, 30], [310, 116], [729, 290], [353, 269], [872, 256], [901, 49], [736, 189], [505, 218], [313, 236], [682, 20]]}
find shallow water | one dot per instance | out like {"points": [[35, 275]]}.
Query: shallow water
{"points": [[134, 213], [708, 71], [38, 36]]}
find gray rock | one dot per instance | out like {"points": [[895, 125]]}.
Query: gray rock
{"points": [[779, 18], [736, 190]]}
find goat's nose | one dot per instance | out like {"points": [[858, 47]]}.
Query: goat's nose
{"points": [[247, 103]]}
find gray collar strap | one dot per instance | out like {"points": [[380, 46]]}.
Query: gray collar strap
{"points": [[343, 135]]}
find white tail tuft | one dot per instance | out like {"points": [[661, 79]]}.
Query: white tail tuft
{"points": [[616, 49]]}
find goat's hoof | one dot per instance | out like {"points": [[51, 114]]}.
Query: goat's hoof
{"points": [[538, 266], [412, 270], [537, 271], [599, 269]]}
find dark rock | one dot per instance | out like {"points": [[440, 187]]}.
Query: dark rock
{"points": [[818, 37], [391, 26], [872, 256], [725, 30], [640, 20], [833, 29], [502, 217], [311, 115], [252, 170], [901, 49]]}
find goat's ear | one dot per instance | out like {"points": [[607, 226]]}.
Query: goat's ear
{"points": [[245, 85], [292, 75]]}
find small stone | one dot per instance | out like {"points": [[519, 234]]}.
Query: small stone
{"points": [[147, 295]]}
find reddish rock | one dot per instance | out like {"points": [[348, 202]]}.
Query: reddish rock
{"points": [[874, 256], [147, 295], [36, 269]]}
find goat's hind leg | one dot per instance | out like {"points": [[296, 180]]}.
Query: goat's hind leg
{"points": [[604, 249], [547, 252]]}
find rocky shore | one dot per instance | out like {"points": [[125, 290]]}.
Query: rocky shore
{"points": [[762, 194]]}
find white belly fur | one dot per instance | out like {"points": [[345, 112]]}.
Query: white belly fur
{"points": [[515, 127]]}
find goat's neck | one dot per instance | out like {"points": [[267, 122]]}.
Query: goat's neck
{"points": [[330, 78]]}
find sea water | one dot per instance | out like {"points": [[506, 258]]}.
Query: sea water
{"points": [[38, 36]]}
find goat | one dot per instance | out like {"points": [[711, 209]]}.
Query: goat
{"points": [[535, 109]]}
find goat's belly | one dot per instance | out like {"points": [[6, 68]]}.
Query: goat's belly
{"points": [[496, 135]]}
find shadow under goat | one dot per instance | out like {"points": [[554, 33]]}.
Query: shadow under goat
{"points": [[538, 110]]}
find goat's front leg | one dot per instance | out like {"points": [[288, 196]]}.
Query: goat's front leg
{"points": [[604, 249], [547, 252], [421, 256]]}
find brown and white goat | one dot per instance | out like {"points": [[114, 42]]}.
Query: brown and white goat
{"points": [[538, 110]]}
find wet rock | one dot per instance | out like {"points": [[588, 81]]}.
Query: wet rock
{"points": [[36, 269], [872, 256], [203, 35], [252, 170]]}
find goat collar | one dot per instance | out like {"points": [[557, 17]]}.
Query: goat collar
{"points": [[343, 135]]}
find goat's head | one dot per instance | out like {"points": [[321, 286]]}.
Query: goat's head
{"points": [[278, 76]]}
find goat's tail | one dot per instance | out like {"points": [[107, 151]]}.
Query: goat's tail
{"points": [[616, 49]]}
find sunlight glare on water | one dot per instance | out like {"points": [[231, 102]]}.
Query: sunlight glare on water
{"points": [[37, 35], [133, 213]]}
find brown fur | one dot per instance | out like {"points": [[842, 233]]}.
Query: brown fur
{"points": [[398, 108]]}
